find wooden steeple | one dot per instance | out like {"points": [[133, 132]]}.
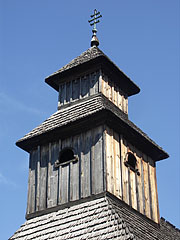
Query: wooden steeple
{"points": [[89, 146]]}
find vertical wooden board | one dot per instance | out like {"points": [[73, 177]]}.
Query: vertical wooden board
{"points": [[112, 92], [74, 171], [43, 177], [64, 184], [124, 170], [158, 216], [97, 161], [102, 83], [109, 89], [106, 86], [126, 103], [49, 200], [62, 94], [68, 91], [115, 95], [75, 89], [29, 187], [108, 159], [32, 182], [154, 200], [86, 164], [38, 178], [139, 183], [96, 88], [93, 83], [104, 153], [133, 189], [146, 186], [84, 86], [53, 174], [59, 97], [117, 162], [120, 100]]}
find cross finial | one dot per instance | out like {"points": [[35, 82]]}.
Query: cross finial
{"points": [[93, 22]]}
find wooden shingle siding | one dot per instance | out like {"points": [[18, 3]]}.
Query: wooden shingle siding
{"points": [[137, 190], [50, 186]]}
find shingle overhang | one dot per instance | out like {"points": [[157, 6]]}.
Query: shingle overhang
{"points": [[85, 114], [93, 57]]}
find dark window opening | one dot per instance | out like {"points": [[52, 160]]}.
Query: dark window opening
{"points": [[131, 163], [65, 156], [131, 160]]}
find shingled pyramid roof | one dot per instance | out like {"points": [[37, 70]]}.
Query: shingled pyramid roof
{"points": [[101, 217], [88, 109], [92, 56]]}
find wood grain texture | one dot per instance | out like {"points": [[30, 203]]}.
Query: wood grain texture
{"points": [[43, 177], [80, 87]]}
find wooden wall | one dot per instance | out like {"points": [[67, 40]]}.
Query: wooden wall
{"points": [[90, 84], [138, 191], [114, 93], [79, 88], [50, 186]]}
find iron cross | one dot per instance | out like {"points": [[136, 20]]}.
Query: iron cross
{"points": [[94, 20]]}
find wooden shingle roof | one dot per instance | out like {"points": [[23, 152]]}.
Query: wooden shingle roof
{"points": [[93, 57], [101, 217], [88, 110]]}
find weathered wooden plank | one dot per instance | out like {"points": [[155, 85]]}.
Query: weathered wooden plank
{"points": [[74, 171], [124, 170], [146, 186], [154, 200], [126, 105], [68, 91], [29, 187], [108, 159], [140, 202], [97, 161], [93, 83], [106, 86], [157, 203], [118, 179], [38, 178], [143, 187], [32, 182], [101, 82], [59, 175], [85, 164], [104, 152], [115, 95], [150, 197], [49, 200], [85, 86], [53, 174], [65, 175], [119, 100], [97, 82], [43, 177], [133, 189], [75, 89], [110, 90], [62, 94]]}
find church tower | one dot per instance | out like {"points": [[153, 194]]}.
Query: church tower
{"points": [[91, 170]]}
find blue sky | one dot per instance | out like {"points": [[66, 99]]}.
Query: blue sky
{"points": [[40, 36]]}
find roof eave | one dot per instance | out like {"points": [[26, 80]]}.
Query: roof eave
{"points": [[130, 87]]}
